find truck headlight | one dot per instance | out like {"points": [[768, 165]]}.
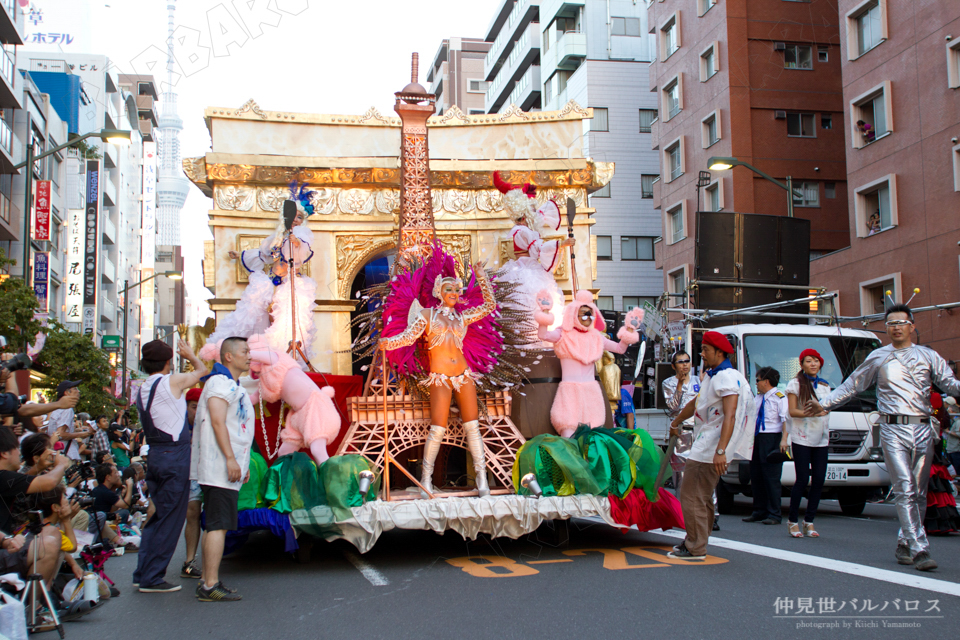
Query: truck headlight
{"points": [[875, 454]]}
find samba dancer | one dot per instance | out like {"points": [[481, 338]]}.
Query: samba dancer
{"points": [[450, 375], [268, 293], [903, 373]]}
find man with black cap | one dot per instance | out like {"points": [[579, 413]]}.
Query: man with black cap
{"points": [[67, 390], [721, 411], [162, 405]]}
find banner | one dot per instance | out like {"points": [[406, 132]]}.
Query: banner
{"points": [[90, 244], [148, 240], [73, 267], [41, 278], [41, 225]]}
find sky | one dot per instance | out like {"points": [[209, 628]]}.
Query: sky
{"points": [[321, 57]]}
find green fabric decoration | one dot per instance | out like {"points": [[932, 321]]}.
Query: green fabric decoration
{"points": [[557, 463], [608, 460], [340, 483], [251, 493], [647, 456], [292, 483]]}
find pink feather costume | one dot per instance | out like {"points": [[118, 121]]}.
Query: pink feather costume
{"points": [[579, 398]]}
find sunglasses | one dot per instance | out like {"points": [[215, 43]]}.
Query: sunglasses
{"points": [[682, 362], [898, 323]]}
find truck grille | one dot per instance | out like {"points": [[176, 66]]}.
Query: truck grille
{"points": [[846, 442]]}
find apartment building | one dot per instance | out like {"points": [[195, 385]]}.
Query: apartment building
{"points": [[11, 149], [901, 74], [758, 81], [511, 68], [456, 75]]}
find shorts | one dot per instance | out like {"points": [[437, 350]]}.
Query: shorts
{"points": [[220, 506], [17, 562], [196, 494]]}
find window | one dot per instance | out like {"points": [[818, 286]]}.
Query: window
{"points": [[605, 303], [953, 64], [956, 168], [602, 192], [826, 121], [830, 190], [705, 5], [647, 118], [676, 225], [604, 248], [674, 158], [801, 125], [798, 56], [670, 37], [548, 91], [476, 86], [710, 129], [646, 185], [545, 41], [869, 26], [875, 206], [673, 97], [625, 26], [600, 120], [806, 194], [677, 281], [632, 302], [871, 115], [713, 197], [878, 294], [823, 54], [476, 112], [636, 248], [708, 62]]}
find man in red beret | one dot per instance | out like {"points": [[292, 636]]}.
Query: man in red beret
{"points": [[722, 411], [162, 405]]}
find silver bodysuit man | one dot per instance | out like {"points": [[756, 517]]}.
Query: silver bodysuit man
{"points": [[903, 373]]}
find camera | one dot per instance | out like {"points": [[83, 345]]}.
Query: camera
{"points": [[17, 362], [84, 470]]}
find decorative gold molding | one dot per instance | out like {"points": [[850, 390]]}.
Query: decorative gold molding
{"points": [[209, 265], [245, 243], [352, 253], [250, 105]]}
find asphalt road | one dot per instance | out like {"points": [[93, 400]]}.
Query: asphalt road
{"points": [[601, 584]]}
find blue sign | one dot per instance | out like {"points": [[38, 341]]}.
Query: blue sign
{"points": [[41, 276]]}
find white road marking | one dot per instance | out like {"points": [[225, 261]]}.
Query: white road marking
{"points": [[860, 570], [373, 576]]}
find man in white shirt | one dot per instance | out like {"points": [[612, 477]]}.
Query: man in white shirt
{"points": [[64, 418], [721, 411], [220, 462], [772, 411]]}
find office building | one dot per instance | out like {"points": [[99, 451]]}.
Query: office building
{"points": [[456, 75]]}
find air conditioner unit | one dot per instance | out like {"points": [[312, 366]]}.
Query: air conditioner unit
{"points": [[780, 115], [780, 46]]}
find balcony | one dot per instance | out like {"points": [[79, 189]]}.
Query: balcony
{"points": [[108, 270], [7, 155], [109, 156], [550, 9], [11, 22], [109, 231], [108, 312], [527, 91], [109, 191], [146, 130], [11, 91], [523, 12], [525, 50], [566, 53]]}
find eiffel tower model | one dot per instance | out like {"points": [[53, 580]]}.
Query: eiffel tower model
{"points": [[387, 420]]}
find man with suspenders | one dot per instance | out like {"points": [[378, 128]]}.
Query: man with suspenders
{"points": [[161, 403]]}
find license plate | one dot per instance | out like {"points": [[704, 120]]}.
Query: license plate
{"points": [[836, 474]]}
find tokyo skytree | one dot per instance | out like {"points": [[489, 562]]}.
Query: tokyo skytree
{"points": [[172, 185]]}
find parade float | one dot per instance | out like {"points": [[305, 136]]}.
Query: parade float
{"points": [[422, 236]]}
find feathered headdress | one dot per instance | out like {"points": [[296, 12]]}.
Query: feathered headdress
{"points": [[300, 194], [505, 187], [438, 284]]}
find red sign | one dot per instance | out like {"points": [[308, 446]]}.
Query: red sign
{"points": [[41, 227]]}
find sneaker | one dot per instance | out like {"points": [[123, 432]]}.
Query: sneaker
{"points": [[903, 554], [222, 586], [217, 593], [753, 518], [163, 587], [923, 562], [682, 553], [190, 570]]}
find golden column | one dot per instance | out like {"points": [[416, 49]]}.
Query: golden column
{"points": [[416, 231]]}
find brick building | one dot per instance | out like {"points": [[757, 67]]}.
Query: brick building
{"points": [[901, 75], [759, 81]]}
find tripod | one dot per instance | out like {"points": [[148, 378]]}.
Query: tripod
{"points": [[35, 584]]}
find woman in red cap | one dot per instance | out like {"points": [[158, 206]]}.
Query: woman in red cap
{"points": [[809, 438]]}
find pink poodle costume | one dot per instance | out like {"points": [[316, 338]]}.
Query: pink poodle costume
{"points": [[579, 398]]}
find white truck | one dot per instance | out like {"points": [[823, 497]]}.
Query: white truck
{"points": [[855, 466]]}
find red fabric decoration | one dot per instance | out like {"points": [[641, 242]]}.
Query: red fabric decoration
{"points": [[718, 341], [502, 185], [811, 352], [635, 509], [345, 387], [936, 400], [530, 190]]}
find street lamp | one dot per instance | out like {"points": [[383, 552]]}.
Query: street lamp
{"points": [[173, 275], [112, 136], [724, 164]]}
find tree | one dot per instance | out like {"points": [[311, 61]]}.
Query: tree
{"points": [[68, 355], [18, 306]]}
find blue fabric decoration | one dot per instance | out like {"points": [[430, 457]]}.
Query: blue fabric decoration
{"points": [[218, 370], [763, 402], [720, 367], [815, 380], [251, 520], [302, 195]]}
